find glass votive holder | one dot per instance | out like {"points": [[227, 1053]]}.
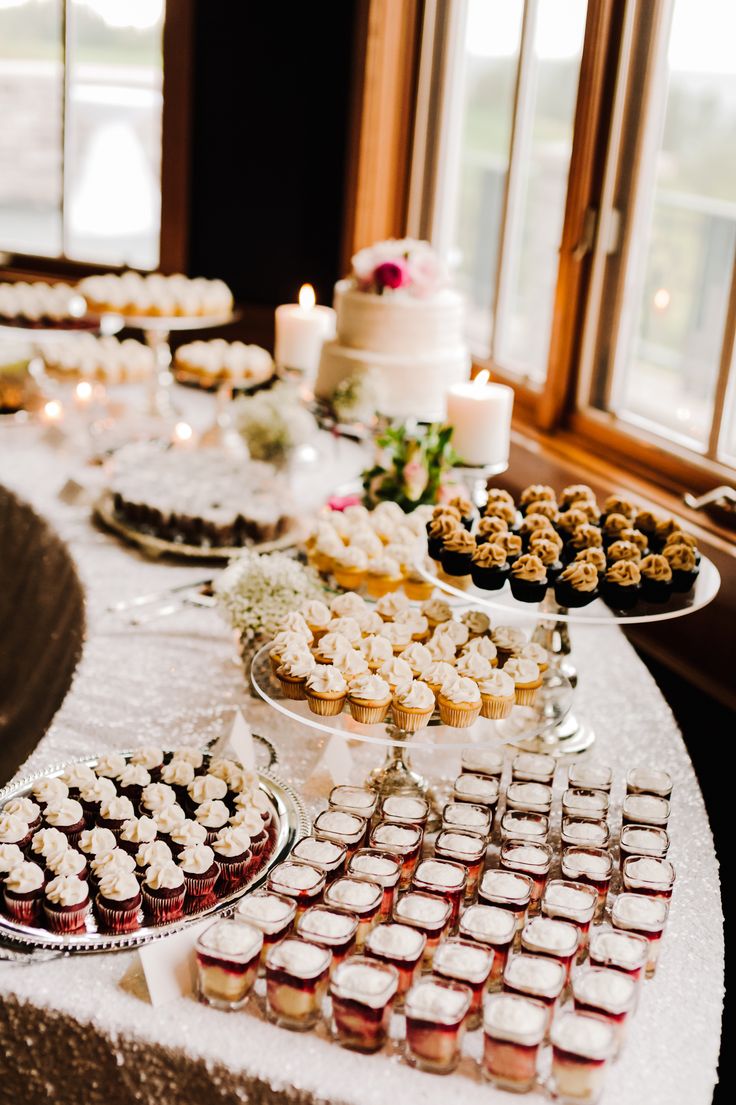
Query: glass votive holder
{"points": [[520, 825], [326, 855], [621, 951], [513, 1030], [582, 832], [271, 914], [443, 878], [592, 866], [495, 929], [645, 809], [590, 804], [529, 859], [482, 761], [535, 976], [581, 1047], [649, 780], [435, 1019], [507, 890], [606, 993], [643, 840], [533, 767], [358, 800], [341, 827], [481, 790], [329, 928], [467, 962], [299, 881], [646, 917], [428, 913], [359, 896], [556, 939], [529, 797], [468, 849], [573, 902], [362, 992], [644, 875], [403, 841], [380, 867], [228, 954], [297, 974], [405, 809], [402, 947], [587, 776], [466, 817]]}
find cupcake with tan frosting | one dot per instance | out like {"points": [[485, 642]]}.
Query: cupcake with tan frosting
{"points": [[439, 529], [597, 557], [535, 492], [504, 510], [459, 702], [369, 698], [682, 560], [326, 690], [436, 610], [528, 579], [656, 578], [527, 679], [511, 544], [577, 585], [457, 553], [498, 695], [489, 567], [488, 527], [412, 706], [624, 550], [548, 550], [620, 586], [574, 492]]}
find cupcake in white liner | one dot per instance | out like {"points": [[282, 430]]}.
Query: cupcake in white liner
{"points": [[535, 652], [369, 698], [396, 672], [412, 707], [326, 690], [349, 627], [417, 623], [296, 665], [456, 631], [439, 672], [348, 605], [397, 634], [418, 657], [527, 679], [376, 650], [331, 647], [317, 615], [442, 647], [459, 702], [283, 640], [471, 665], [497, 694]]}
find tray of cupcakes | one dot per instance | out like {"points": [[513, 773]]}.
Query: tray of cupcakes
{"points": [[570, 547], [112, 851]]}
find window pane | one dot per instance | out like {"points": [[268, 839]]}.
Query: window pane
{"points": [[678, 281], [113, 147], [31, 96]]}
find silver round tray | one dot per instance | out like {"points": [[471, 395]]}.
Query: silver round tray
{"points": [[294, 823]]}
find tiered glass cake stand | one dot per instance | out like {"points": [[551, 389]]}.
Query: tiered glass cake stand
{"points": [[567, 735]]}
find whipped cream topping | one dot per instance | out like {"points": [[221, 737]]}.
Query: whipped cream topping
{"points": [[177, 773], [535, 973], [78, 775], [139, 830], [586, 1036], [382, 869], [156, 852], [436, 872], [465, 815], [99, 790], [509, 1017], [415, 695], [110, 765], [417, 656], [191, 755], [164, 876], [66, 812], [295, 623], [50, 790], [316, 613], [67, 890], [463, 961], [116, 809], [327, 679], [481, 788], [457, 632], [625, 949], [357, 894], [404, 807], [395, 940], [522, 671], [588, 863], [134, 775], [348, 605], [24, 878], [119, 886], [442, 647], [398, 634], [287, 639], [646, 807], [113, 861], [196, 859], [231, 842], [69, 862], [212, 814], [367, 983], [484, 646], [438, 672], [206, 787], [505, 885], [296, 663], [327, 923], [339, 822], [49, 842], [428, 1000], [298, 958], [508, 637], [396, 836], [585, 832], [157, 795], [395, 602], [488, 923], [351, 664], [10, 857], [321, 853], [422, 908], [13, 828], [266, 911], [232, 938], [612, 991], [168, 817], [187, 832], [344, 626], [549, 935], [248, 818], [376, 650], [655, 872]]}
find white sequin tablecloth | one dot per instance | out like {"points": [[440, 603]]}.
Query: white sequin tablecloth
{"points": [[83, 1029]]}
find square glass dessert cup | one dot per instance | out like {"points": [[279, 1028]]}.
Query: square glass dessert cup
{"points": [[583, 832], [402, 947], [649, 780], [585, 803], [647, 875], [591, 866], [299, 881], [465, 961], [573, 902], [494, 928], [362, 992], [509, 890], [606, 993], [582, 1044], [358, 800], [468, 817], [483, 761], [627, 952], [444, 878], [645, 916], [520, 825], [435, 1012], [405, 809], [529, 797], [329, 928], [429, 914], [481, 790], [341, 827], [535, 976], [533, 767], [359, 896], [643, 840], [513, 1030], [527, 858], [297, 975], [380, 867], [404, 841], [466, 848], [228, 954], [326, 855], [645, 809], [272, 914], [557, 939], [590, 776]]}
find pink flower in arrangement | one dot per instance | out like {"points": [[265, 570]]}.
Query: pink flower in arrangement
{"points": [[342, 502], [415, 478], [391, 274]]}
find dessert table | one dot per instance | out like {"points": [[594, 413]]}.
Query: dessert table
{"points": [[83, 1027]]}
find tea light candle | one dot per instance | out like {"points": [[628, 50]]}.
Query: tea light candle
{"points": [[300, 331], [480, 413]]}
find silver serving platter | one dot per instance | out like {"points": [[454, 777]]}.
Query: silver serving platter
{"points": [[294, 823]]}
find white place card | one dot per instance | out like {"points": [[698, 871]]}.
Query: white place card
{"points": [[168, 964], [238, 742], [73, 492], [334, 766]]}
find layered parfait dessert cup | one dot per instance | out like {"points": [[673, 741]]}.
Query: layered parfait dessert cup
{"points": [[427, 913], [526, 858], [621, 951], [605, 993], [272, 914], [513, 1030], [402, 947], [573, 902], [360, 897], [509, 890], [643, 840], [529, 797], [299, 881], [444, 878], [581, 1046], [646, 875], [297, 975], [644, 915], [590, 776], [357, 800], [494, 928], [404, 841], [326, 855], [583, 803], [467, 962], [228, 954], [469, 849], [591, 866], [521, 825], [330, 929], [362, 992], [482, 761], [435, 1012], [405, 809], [380, 867], [535, 976], [467, 817], [649, 780], [533, 767], [556, 939], [645, 809], [480, 790], [583, 832], [341, 827]]}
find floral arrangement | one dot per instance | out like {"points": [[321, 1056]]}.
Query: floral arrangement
{"points": [[399, 264], [256, 591], [412, 466], [273, 422], [356, 398]]}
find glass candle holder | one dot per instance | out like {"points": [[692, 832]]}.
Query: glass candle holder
{"points": [[590, 804], [326, 855], [342, 828], [467, 962], [535, 976], [330, 929], [465, 848], [403, 947], [380, 867], [581, 832], [592, 866], [358, 800], [533, 767], [529, 859], [299, 881], [645, 809], [405, 809], [573, 902], [519, 825], [644, 875], [585, 776], [513, 1030], [362, 992], [228, 954], [644, 916], [621, 951], [482, 761], [529, 797], [297, 974], [481, 790], [606, 993], [443, 878], [649, 780], [643, 840], [556, 939], [507, 890], [495, 929], [429, 914], [404, 841], [359, 896], [581, 1046], [271, 914], [467, 817], [435, 1018]]}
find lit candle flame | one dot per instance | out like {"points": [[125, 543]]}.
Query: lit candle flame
{"points": [[307, 298], [182, 431], [84, 390], [53, 410], [482, 378]]}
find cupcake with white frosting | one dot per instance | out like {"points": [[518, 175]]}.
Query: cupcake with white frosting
{"points": [[418, 657], [137, 831], [77, 776], [412, 706], [459, 702], [527, 679], [70, 862], [25, 808], [213, 815], [178, 773], [376, 650], [317, 615], [438, 672], [93, 794], [163, 891], [296, 665], [115, 812], [47, 843], [14, 829], [148, 855], [232, 852], [497, 694], [66, 903], [49, 790], [132, 779], [93, 842], [151, 757], [23, 892], [200, 869], [110, 765], [112, 862], [68, 817], [10, 857], [119, 901], [326, 690], [369, 698]]}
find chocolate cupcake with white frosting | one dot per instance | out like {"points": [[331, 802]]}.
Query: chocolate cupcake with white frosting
{"points": [[137, 831], [70, 862], [213, 814], [49, 790], [113, 862], [232, 852], [167, 819], [163, 891], [93, 842], [178, 773], [151, 757], [118, 902], [249, 817], [110, 765], [68, 817], [114, 813], [47, 843], [26, 808], [157, 795], [200, 869], [66, 903], [76, 777], [93, 794], [205, 788], [131, 781], [10, 857], [186, 833], [23, 892], [149, 855]]}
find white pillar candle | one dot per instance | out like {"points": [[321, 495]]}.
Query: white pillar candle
{"points": [[480, 413], [301, 328]]}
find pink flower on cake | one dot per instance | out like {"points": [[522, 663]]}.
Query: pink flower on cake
{"points": [[426, 272], [391, 274]]}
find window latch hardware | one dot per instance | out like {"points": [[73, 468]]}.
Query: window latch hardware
{"points": [[721, 502], [587, 238]]}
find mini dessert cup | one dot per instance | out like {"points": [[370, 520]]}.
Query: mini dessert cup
{"points": [[299, 881], [529, 859], [645, 809], [228, 954], [578, 832], [649, 780], [66, 903], [645, 916], [445, 879], [513, 1029], [297, 975], [620, 951], [481, 790], [495, 929], [435, 1019], [643, 840], [361, 801], [529, 797], [330, 929], [402, 947], [509, 890], [520, 825], [467, 817], [556, 939], [605, 993], [403, 841], [362, 992], [467, 962], [577, 802], [645, 875], [359, 896], [581, 1046], [326, 855], [200, 868], [591, 866], [163, 891], [118, 902], [590, 776], [272, 914], [469, 849], [340, 827], [380, 867], [573, 902], [405, 809], [427, 913], [533, 767], [535, 976], [482, 761]]}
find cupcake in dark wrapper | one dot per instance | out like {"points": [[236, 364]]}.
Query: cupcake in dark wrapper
{"points": [[577, 585], [457, 553], [111, 863], [93, 842], [574, 492], [213, 815], [66, 903], [663, 530], [232, 852], [681, 559], [249, 818], [110, 765], [620, 585], [132, 780], [76, 777], [23, 892], [646, 522], [511, 544], [528, 579], [93, 795], [623, 550], [163, 891], [71, 862], [637, 537], [26, 808], [546, 507], [489, 568], [200, 870], [548, 553], [569, 520], [114, 813], [505, 511], [151, 757], [616, 504], [49, 790], [137, 831], [488, 527], [656, 578], [10, 857], [118, 902], [532, 523], [178, 774], [613, 527], [68, 817], [597, 557], [440, 528], [499, 495], [465, 509], [535, 492], [14, 829], [152, 855], [186, 833], [584, 536]]}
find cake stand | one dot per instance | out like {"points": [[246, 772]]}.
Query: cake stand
{"points": [[567, 735]]}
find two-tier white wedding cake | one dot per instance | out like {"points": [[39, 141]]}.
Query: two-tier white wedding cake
{"points": [[401, 327]]}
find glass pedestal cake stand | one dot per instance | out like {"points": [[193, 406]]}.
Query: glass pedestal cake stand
{"points": [[396, 774], [568, 735]]}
